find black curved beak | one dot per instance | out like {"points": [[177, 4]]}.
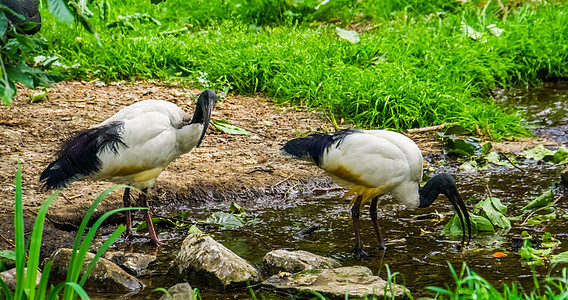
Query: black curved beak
{"points": [[462, 213], [205, 104]]}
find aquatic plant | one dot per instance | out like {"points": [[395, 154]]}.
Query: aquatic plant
{"points": [[26, 280]]}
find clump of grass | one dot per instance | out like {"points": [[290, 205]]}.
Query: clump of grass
{"points": [[26, 280], [411, 71], [469, 285]]}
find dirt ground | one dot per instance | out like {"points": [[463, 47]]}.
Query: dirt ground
{"points": [[225, 167]]}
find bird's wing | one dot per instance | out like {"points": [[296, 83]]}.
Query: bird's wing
{"points": [[175, 114], [151, 145], [367, 160], [407, 147]]}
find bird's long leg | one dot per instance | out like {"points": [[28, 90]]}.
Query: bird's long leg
{"points": [[148, 218], [358, 250], [128, 214], [376, 226]]}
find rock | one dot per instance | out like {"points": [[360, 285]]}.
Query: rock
{"points": [[296, 261], [105, 276], [135, 264], [203, 261], [9, 277], [356, 281], [180, 291], [564, 177]]}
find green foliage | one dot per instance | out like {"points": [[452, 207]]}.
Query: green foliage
{"points": [[467, 147], [26, 281], [401, 74], [469, 285], [559, 156], [486, 215], [542, 200], [224, 126]]}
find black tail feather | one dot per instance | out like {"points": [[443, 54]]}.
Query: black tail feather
{"points": [[78, 155], [313, 146]]}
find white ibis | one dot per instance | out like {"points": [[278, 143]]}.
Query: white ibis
{"points": [[132, 147], [372, 163]]}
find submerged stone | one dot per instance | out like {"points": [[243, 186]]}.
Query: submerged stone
{"points": [[355, 282], [204, 261], [135, 264], [9, 277], [105, 277], [180, 291], [564, 177], [296, 261]]}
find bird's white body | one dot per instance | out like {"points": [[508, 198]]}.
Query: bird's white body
{"points": [[155, 133], [372, 163]]}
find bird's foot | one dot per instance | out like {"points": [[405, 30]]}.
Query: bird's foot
{"points": [[155, 243], [359, 253]]}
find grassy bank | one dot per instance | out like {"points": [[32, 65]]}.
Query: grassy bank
{"points": [[412, 69]]}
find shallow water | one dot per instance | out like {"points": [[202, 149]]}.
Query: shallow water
{"points": [[415, 246]]}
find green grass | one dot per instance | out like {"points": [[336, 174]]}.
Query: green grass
{"points": [[413, 69], [469, 285]]}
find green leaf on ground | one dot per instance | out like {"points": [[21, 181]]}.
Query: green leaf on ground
{"points": [[548, 241], [537, 153], [478, 224], [560, 258], [540, 201], [194, 230], [538, 219], [495, 211], [225, 220], [224, 126]]}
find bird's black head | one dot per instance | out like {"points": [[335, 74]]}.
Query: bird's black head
{"points": [[205, 104], [444, 183]]}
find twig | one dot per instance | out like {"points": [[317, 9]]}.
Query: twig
{"points": [[430, 128], [283, 180], [505, 156], [488, 190], [539, 209], [8, 241]]}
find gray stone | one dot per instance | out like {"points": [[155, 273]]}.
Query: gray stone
{"points": [[9, 277], [180, 291], [203, 261], [356, 282], [564, 177], [296, 261], [135, 264], [105, 276]]}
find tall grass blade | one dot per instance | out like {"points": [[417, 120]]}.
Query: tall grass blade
{"points": [[35, 247], [42, 287], [115, 235], [19, 235], [7, 291], [74, 266], [73, 286]]}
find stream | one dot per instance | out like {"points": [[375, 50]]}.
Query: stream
{"points": [[415, 246]]}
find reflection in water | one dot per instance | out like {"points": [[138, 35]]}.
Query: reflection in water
{"points": [[545, 109]]}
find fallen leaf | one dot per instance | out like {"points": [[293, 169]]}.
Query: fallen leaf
{"points": [[499, 254]]}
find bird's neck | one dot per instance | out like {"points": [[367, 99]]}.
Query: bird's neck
{"points": [[437, 185], [198, 116]]}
